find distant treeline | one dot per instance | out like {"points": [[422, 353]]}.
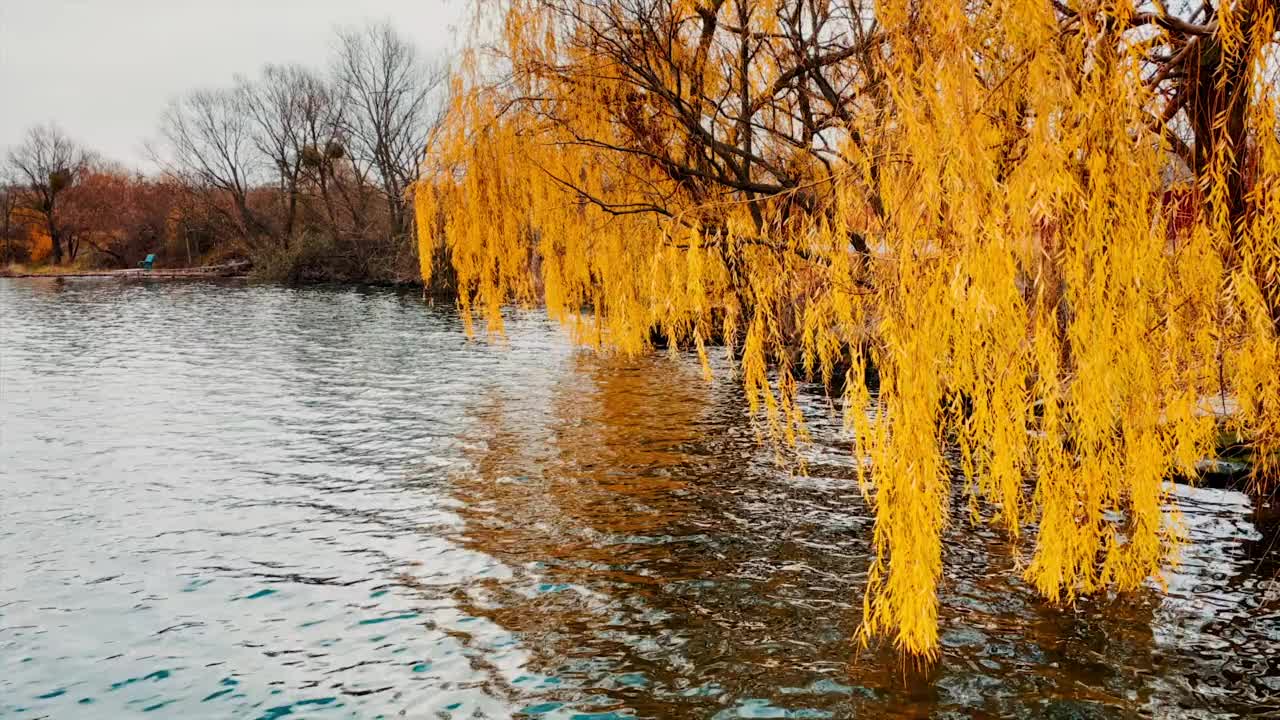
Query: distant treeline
{"points": [[305, 172]]}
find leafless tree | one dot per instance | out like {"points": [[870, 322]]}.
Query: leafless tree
{"points": [[209, 141], [288, 104], [390, 94], [325, 152], [8, 203], [48, 162]]}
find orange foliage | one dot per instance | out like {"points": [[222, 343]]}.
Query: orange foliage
{"points": [[40, 243], [34, 234]]}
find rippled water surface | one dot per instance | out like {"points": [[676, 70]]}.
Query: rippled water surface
{"points": [[223, 501]]}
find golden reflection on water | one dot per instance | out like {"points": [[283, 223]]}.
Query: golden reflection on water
{"points": [[655, 543], [623, 504]]}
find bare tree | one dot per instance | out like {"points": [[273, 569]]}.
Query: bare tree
{"points": [[388, 90], [325, 148], [209, 142], [279, 104], [8, 203], [48, 163]]}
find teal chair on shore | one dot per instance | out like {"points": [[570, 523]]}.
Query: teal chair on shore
{"points": [[146, 264]]}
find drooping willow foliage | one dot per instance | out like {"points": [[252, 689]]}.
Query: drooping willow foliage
{"points": [[1051, 229]]}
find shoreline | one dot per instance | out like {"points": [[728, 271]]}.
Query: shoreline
{"points": [[233, 270], [238, 270], [1228, 469]]}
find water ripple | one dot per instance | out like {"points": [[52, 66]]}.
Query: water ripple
{"points": [[234, 501]]}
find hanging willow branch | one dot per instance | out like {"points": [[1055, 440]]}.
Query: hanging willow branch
{"points": [[984, 202]]}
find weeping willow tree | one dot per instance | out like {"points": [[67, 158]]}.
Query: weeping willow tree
{"points": [[1051, 229]]}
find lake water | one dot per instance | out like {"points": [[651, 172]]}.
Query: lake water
{"points": [[231, 501]]}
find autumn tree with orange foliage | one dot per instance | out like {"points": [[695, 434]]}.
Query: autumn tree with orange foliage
{"points": [[303, 172], [972, 201], [105, 216], [48, 163], [121, 216]]}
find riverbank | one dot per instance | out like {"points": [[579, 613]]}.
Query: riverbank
{"points": [[235, 269], [442, 290]]}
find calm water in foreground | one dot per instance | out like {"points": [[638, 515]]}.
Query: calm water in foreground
{"points": [[220, 501]]}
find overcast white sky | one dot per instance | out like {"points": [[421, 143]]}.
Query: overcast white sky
{"points": [[104, 69]]}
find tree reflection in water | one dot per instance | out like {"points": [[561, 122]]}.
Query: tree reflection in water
{"points": [[662, 564]]}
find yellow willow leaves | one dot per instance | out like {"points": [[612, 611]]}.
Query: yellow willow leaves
{"points": [[1256, 281], [1037, 325]]}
